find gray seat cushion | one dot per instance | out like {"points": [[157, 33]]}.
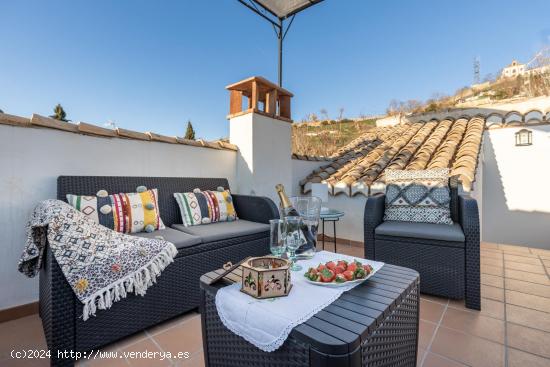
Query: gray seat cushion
{"points": [[223, 230], [178, 238], [430, 231]]}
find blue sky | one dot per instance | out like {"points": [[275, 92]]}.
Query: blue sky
{"points": [[152, 65]]}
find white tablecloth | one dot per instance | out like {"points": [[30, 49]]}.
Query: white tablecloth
{"points": [[267, 323]]}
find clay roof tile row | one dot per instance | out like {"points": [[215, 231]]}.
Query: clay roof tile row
{"points": [[94, 130], [413, 146]]}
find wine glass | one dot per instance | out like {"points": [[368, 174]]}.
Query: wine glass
{"points": [[293, 239], [277, 243]]}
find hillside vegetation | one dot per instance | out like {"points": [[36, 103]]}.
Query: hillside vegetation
{"points": [[324, 138]]}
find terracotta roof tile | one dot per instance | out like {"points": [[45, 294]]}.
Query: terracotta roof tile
{"points": [[359, 167]]}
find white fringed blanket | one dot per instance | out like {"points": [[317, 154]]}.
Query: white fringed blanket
{"points": [[101, 265]]}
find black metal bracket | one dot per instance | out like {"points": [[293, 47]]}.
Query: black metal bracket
{"points": [[278, 25]]}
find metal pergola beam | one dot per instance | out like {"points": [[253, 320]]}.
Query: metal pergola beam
{"points": [[278, 26]]}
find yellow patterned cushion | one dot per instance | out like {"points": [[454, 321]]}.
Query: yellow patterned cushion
{"points": [[125, 212]]}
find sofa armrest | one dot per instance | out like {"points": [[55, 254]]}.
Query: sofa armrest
{"points": [[57, 309], [255, 208], [469, 220], [374, 215]]}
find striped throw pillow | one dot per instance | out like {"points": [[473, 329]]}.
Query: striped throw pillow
{"points": [[125, 212], [203, 207]]}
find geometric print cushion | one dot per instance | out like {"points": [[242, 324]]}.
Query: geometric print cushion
{"points": [[125, 212], [203, 207], [418, 196]]}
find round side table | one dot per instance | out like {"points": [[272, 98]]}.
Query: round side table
{"points": [[332, 215]]}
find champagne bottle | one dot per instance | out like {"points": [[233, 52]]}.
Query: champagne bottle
{"points": [[288, 210]]}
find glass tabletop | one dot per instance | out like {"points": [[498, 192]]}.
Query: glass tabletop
{"points": [[331, 213]]}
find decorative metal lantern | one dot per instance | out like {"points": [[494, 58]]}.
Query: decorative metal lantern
{"points": [[266, 277], [524, 137]]}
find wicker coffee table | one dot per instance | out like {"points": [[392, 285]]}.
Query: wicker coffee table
{"points": [[374, 324]]}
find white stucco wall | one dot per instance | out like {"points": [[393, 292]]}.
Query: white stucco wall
{"points": [[516, 198], [300, 170], [32, 158], [350, 226], [264, 157]]}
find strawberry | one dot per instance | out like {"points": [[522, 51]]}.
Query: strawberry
{"points": [[327, 275], [352, 267], [340, 278], [331, 265], [313, 277], [368, 269], [339, 269], [343, 263], [360, 273], [348, 275]]}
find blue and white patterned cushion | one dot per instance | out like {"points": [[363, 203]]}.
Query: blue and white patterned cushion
{"points": [[418, 196]]}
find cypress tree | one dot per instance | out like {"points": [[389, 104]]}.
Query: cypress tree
{"points": [[190, 132], [59, 113]]}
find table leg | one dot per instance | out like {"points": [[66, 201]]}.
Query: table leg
{"points": [[323, 225], [334, 230]]}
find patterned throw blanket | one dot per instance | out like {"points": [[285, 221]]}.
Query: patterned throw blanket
{"points": [[101, 265]]}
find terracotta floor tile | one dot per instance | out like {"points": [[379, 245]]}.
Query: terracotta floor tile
{"points": [[431, 311], [528, 277], [518, 358], [489, 308], [23, 333], [468, 349], [346, 250], [474, 323], [440, 300], [488, 245], [433, 360], [492, 270], [146, 345], [537, 269], [528, 317], [491, 261], [492, 280], [419, 355], [186, 337], [494, 293], [540, 251], [491, 254], [529, 301], [107, 362], [528, 287], [132, 339], [522, 259], [196, 360], [514, 248], [25, 363], [529, 340], [173, 322], [425, 333]]}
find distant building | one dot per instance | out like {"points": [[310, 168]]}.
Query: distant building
{"points": [[513, 70]]}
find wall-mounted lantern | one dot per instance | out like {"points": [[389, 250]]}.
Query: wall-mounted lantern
{"points": [[524, 137]]}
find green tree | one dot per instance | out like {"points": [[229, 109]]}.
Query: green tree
{"points": [[59, 113], [190, 132]]}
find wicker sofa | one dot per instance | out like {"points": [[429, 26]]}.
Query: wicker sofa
{"points": [[200, 250], [447, 257]]}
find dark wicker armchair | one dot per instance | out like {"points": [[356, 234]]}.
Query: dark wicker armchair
{"points": [[447, 257]]}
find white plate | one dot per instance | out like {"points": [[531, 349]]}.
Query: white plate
{"points": [[336, 285]]}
